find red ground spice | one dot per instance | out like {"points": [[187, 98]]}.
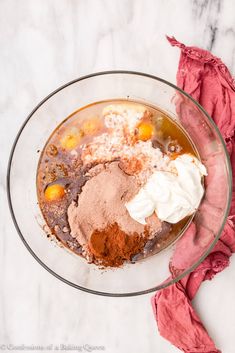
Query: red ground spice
{"points": [[111, 246], [131, 166]]}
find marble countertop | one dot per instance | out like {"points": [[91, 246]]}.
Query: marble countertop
{"points": [[43, 45]]}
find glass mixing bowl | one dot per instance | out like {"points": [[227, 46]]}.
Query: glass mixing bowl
{"points": [[157, 271]]}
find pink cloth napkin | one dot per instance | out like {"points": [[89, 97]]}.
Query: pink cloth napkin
{"points": [[207, 80]]}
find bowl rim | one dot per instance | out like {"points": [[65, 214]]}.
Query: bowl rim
{"points": [[165, 283]]}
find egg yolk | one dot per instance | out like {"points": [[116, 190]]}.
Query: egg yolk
{"points": [[91, 126], [71, 139], [54, 192], [144, 131]]}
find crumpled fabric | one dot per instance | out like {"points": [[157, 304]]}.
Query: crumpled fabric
{"points": [[207, 80]]}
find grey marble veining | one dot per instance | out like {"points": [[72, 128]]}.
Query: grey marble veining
{"points": [[43, 45]]}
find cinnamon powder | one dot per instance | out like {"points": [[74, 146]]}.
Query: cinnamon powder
{"points": [[111, 246]]}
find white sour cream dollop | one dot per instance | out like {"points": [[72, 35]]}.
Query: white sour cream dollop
{"points": [[172, 194]]}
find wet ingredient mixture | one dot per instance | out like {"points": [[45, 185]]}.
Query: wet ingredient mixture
{"points": [[110, 182]]}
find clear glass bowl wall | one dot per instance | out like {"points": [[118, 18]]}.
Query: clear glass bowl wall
{"points": [[152, 273]]}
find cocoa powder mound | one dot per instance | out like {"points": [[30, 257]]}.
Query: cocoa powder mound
{"points": [[102, 203], [112, 247]]}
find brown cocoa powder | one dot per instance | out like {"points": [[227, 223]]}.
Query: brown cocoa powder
{"points": [[112, 247]]}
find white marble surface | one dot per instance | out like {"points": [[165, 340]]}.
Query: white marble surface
{"points": [[45, 43]]}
